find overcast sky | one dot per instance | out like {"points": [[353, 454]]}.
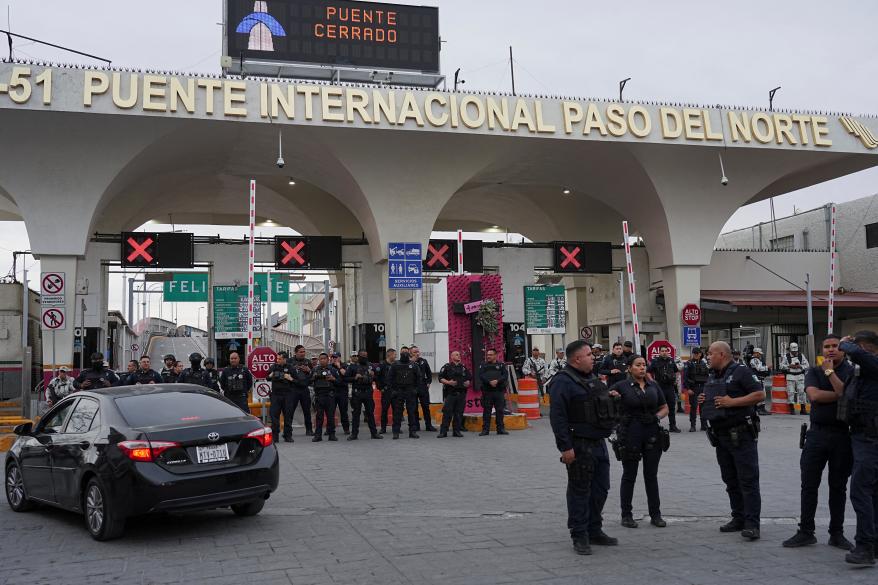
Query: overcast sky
{"points": [[729, 53]]}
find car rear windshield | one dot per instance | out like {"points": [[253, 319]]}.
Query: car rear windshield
{"points": [[167, 408]]}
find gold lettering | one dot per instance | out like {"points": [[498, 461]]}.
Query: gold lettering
{"points": [[818, 125], [431, 116], [708, 129], [280, 101], [802, 122], [263, 100], [572, 114], [668, 115], [209, 85], [782, 126], [541, 124], [380, 106], [692, 124], [186, 94], [357, 100], [45, 79], [765, 135], [331, 98], [410, 110], [455, 114], [154, 89], [96, 83], [309, 91], [616, 120], [469, 121], [522, 115], [234, 92], [131, 100], [498, 112], [740, 126], [642, 128], [593, 120]]}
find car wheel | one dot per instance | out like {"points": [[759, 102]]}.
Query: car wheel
{"points": [[15, 494], [102, 521], [248, 508]]}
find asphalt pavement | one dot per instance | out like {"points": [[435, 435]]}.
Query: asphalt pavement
{"points": [[181, 347]]}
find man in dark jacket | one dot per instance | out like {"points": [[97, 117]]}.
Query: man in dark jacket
{"points": [[144, 374], [664, 370], [402, 379], [381, 373], [301, 393], [695, 375], [281, 377], [455, 379], [236, 382], [361, 376], [424, 381], [494, 380], [614, 365], [97, 376]]}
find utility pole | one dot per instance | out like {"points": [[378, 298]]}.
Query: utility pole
{"points": [[512, 69]]}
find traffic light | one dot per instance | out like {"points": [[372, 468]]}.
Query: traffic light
{"points": [[582, 257], [307, 252], [157, 250]]}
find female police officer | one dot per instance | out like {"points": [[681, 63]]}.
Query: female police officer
{"points": [[639, 436]]}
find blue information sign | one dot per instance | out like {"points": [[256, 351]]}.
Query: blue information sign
{"points": [[692, 336], [404, 266]]}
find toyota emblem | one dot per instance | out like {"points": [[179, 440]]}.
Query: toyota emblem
{"points": [[213, 436]]}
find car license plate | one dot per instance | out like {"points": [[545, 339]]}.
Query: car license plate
{"points": [[212, 453]]}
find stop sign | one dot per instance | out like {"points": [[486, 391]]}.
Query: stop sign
{"points": [[260, 361], [653, 350], [691, 315]]}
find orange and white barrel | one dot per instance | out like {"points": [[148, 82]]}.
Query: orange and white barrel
{"points": [[779, 404], [528, 398]]}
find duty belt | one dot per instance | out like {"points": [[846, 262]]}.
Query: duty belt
{"points": [[829, 428]]}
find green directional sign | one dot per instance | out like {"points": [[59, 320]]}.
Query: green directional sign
{"points": [[280, 286], [544, 310], [186, 287], [230, 312]]}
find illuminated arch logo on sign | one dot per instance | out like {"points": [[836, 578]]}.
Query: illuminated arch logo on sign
{"points": [[262, 28]]}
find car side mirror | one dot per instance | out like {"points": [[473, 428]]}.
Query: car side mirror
{"points": [[23, 429]]}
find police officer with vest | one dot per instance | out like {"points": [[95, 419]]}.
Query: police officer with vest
{"points": [[402, 379], [236, 382], [211, 374], [664, 370], [424, 381], [826, 443], [455, 379], [729, 405], [381, 380], [860, 410], [583, 413], [614, 365], [695, 375], [340, 394], [281, 377], [194, 374], [361, 375], [323, 378], [97, 376], [301, 393], [494, 379], [143, 374], [168, 375]]}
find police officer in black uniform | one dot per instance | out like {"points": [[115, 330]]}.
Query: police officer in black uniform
{"points": [[281, 375], [729, 404], [340, 393], [167, 373], [361, 375], [456, 380], [695, 375], [639, 436], [301, 393], [236, 382], [614, 365], [323, 377], [860, 407], [211, 374], [143, 374], [583, 413], [827, 442], [97, 376], [494, 379], [194, 374], [402, 379], [664, 370], [424, 381], [381, 373]]}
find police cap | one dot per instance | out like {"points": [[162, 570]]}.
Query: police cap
{"points": [[283, 354]]}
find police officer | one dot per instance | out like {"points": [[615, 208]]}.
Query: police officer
{"points": [[143, 374], [729, 405], [194, 374], [381, 374], [281, 376], [494, 379], [695, 375], [861, 411], [167, 373], [340, 393], [664, 370], [615, 365], [361, 376], [402, 379], [583, 413], [794, 364], [97, 376], [211, 374], [236, 382], [323, 377], [827, 442], [301, 393], [456, 380], [639, 436], [424, 380]]}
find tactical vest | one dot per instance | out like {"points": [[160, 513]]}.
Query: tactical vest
{"points": [[457, 373], [724, 417], [493, 372], [168, 376], [321, 384], [795, 370], [190, 376], [700, 372], [236, 382], [664, 371], [595, 414], [364, 384], [143, 376], [405, 375]]}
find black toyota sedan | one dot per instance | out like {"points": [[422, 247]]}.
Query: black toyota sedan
{"points": [[119, 452]]}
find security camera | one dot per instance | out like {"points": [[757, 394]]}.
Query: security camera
{"points": [[281, 163], [724, 181]]}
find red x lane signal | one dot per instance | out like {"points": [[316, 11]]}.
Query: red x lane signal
{"points": [[582, 257], [290, 253], [139, 249], [570, 257], [438, 256], [441, 256], [293, 253]]}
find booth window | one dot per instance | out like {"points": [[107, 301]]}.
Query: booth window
{"points": [[872, 235]]}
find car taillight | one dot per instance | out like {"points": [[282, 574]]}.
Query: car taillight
{"points": [[145, 450], [262, 435]]}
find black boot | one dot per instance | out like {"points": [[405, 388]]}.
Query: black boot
{"points": [[581, 546], [628, 521], [395, 435], [692, 428], [603, 539], [483, 433], [861, 555], [734, 525], [309, 433], [332, 437], [800, 538], [456, 433], [376, 436], [317, 438], [442, 434], [658, 521], [839, 541], [383, 431], [750, 533], [502, 432], [413, 435], [352, 437]]}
